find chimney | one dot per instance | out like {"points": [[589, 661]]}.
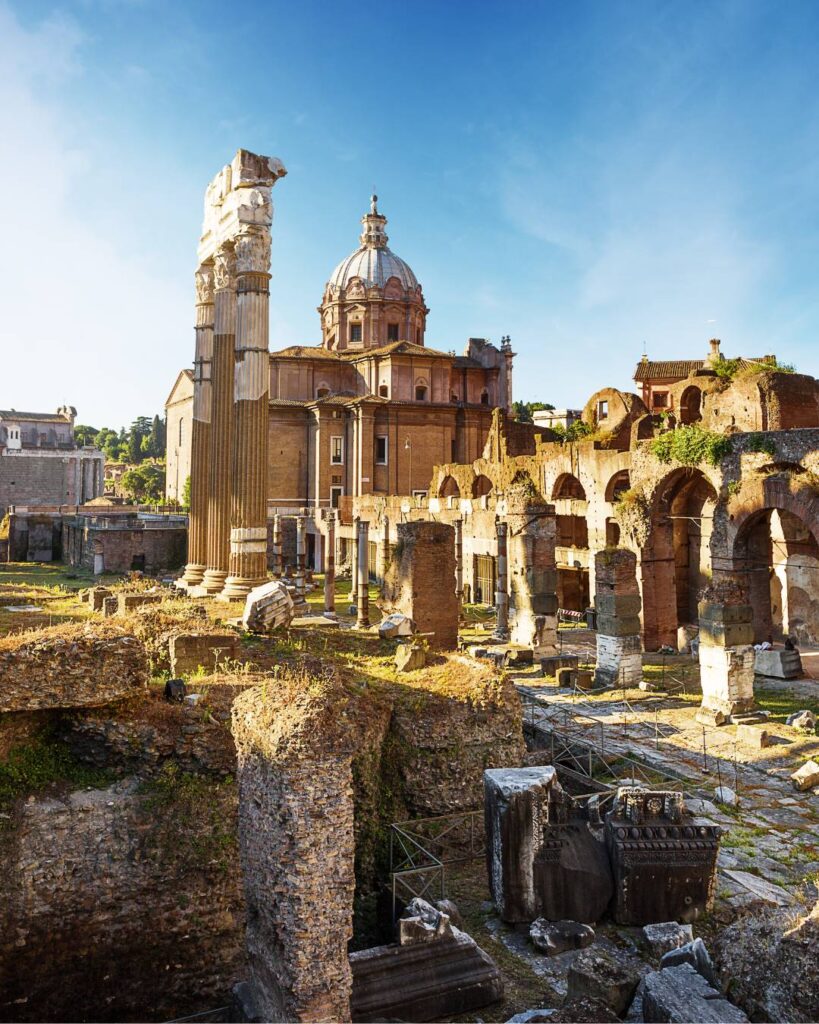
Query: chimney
{"points": [[714, 356]]}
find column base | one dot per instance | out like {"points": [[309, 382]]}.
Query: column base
{"points": [[213, 582], [238, 587], [192, 576]]}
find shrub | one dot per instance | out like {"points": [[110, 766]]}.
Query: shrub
{"points": [[761, 443], [691, 446]]}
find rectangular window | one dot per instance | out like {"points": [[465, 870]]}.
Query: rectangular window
{"points": [[603, 409], [335, 496], [355, 333], [392, 332], [660, 399], [381, 450], [337, 450]]}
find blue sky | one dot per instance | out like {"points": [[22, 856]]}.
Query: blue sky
{"points": [[586, 177]]}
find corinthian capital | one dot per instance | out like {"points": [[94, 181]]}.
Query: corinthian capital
{"points": [[224, 269], [253, 252], [204, 285]]}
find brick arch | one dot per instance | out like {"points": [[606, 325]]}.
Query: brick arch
{"points": [[620, 481], [680, 509], [449, 488], [568, 486], [481, 485], [777, 494]]}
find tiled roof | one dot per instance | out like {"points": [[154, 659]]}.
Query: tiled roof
{"points": [[287, 401], [305, 352], [649, 369], [399, 348], [15, 414]]}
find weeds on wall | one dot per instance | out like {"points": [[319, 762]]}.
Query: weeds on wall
{"points": [[691, 446], [576, 431], [632, 510], [731, 369], [761, 443]]}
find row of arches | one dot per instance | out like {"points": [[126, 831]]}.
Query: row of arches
{"points": [[449, 488]]}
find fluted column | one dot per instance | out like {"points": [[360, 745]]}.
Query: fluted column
{"points": [[502, 586], [200, 431], [330, 567], [224, 330], [251, 390], [363, 599]]}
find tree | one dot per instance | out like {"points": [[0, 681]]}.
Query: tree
{"points": [[144, 483], [134, 448], [84, 434], [186, 493], [522, 411]]}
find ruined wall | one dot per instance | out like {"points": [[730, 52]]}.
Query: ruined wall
{"points": [[70, 666], [120, 904]]}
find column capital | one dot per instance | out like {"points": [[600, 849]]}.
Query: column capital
{"points": [[203, 279], [253, 251], [224, 269]]}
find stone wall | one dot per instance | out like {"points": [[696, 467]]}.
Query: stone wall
{"points": [[120, 904], [69, 667]]}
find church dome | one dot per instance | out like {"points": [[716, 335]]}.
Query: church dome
{"points": [[373, 262]]}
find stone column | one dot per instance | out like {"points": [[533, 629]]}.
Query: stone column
{"points": [[532, 527], [385, 549], [298, 575], [200, 431], [251, 392], [459, 562], [726, 653], [363, 602], [278, 557], [354, 566], [221, 437], [330, 567], [617, 603], [502, 591]]}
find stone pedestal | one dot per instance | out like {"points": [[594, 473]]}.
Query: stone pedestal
{"points": [[617, 606], [726, 657], [779, 664], [664, 865], [532, 571]]}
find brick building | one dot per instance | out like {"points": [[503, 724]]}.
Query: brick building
{"points": [[41, 463], [372, 409]]}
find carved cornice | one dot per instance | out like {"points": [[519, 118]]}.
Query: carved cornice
{"points": [[253, 252], [224, 269], [204, 285]]}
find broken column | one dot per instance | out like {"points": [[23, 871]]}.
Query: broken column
{"points": [[532, 573], [459, 561], [501, 586], [617, 603], [200, 430], [278, 558], [420, 582], [363, 602], [330, 567], [542, 859], [301, 551], [664, 864], [354, 568], [385, 548], [726, 653]]}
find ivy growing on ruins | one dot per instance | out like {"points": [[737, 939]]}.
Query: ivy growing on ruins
{"points": [[632, 510], [691, 446]]}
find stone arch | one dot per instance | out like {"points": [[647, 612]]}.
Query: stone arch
{"points": [[568, 486], [481, 486], [421, 389], [691, 404], [775, 551], [676, 559], [620, 482], [449, 488]]}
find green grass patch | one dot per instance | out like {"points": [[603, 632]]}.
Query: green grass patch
{"points": [[780, 704], [33, 767]]}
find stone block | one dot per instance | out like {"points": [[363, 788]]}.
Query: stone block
{"points": [[127, 602], [192, 652], [410, 657], [553, 937], [618, 606], [599, 976], [550, 666], [542, 859], [725, 634], [806, 777], [727, 678], [695, 954], [619, 661], [567, 677], [110, 606], [710, 716], [438, 976], [752, 736], [268, 607], [725, 613], [678, 995], [626, 625], [584, 679], [665, 936], [96, 597], [779, 664], [664, 865], [805, 721], [394, 625]]}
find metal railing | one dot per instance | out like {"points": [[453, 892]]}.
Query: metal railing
{"points": [[421, 849]]}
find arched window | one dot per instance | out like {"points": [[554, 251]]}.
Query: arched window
{"points": [[619, 483], [421, 390], [481, 485], [383, 391], [449, 488], [322, 392], [568, 486]]}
